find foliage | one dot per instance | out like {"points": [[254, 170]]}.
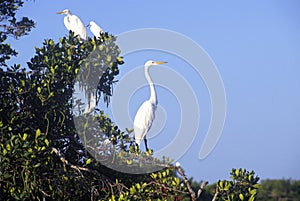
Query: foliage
{"points": [[283, 189], [50, 152], [41, 153], [243, 186], [10, 26]]}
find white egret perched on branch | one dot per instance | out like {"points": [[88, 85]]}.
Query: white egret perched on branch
{"points": [[95, 29], [146, 113], [73, 23]]}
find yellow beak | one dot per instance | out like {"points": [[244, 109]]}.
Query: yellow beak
{"points": [[61, 12], [160, 62]]}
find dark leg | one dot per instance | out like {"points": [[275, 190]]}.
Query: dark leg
{"points": [[145, 140]]}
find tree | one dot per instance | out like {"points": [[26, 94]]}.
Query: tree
{"points": [[42, 155], [243, 186], [11, 27], [275, 190], [47, 152]]}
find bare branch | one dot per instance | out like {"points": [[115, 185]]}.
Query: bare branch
{"points": [[203, 184], [216, 194], [106, 181], [186, 181]]}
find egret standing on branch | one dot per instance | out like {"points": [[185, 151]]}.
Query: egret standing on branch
{"points": [[73, 23], [95, 29], [146, 113]]}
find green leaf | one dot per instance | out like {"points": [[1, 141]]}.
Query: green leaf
{"points": [[51, 42], [108, 59], [52, 70], [4, 152], [144, 185], [153, 175], [241, 196], [132, 190], [37, 165], [46, 142], [220, 185], [237, 172], [39, 90], [6, 176], [177, 180], [138, 186], [253, 192], [51, 94], [8, 147], [22, 82], [24, 137], [112, 198], [252, 198], [37, 133], [88, 161]]}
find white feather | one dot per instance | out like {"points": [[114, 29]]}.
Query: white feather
{"points": [[146, 113], [143, 120], [95, 29], [73, 23]]}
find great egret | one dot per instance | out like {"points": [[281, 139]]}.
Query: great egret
{"points": [[73, 23], [146, 113], [95, 29]]}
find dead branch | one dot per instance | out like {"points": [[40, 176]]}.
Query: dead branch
{"points": [[187, 183], [216, 194], [203, 184]]}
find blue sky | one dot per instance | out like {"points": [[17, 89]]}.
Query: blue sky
{"points": [[255, 46]]}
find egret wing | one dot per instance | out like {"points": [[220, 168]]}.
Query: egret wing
{"points": [[96, 30], [143, 120], [67, 22], [78, 27]]}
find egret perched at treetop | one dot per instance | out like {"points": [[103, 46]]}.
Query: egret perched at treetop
{"points": [[95, 29], [146, 113], [73, 23]]}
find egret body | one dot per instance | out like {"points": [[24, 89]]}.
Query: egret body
{"points": [[95, 29], [146, 113]]}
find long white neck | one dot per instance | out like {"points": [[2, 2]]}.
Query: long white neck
{"points": [[153, 98]]}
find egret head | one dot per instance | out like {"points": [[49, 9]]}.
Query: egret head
{"points": [[92, 23], [66, 12], [153, 63]]}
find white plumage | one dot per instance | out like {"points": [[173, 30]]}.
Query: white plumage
{"points": [[73, 23], [146, 113], [95, 29], [143, 120]]}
